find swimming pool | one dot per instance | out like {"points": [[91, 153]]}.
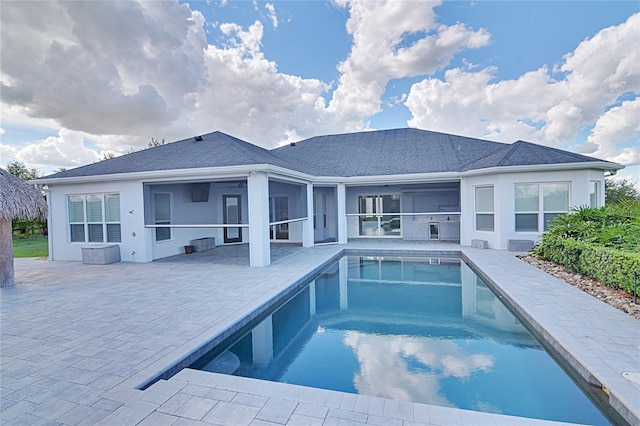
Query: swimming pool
{"points": [[418, 329]]}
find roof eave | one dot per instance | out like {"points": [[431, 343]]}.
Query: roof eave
{"points": [[178, 174], [601, 165], [387, 179]]}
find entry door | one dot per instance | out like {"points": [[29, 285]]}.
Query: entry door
{"points": [[231, 213]]}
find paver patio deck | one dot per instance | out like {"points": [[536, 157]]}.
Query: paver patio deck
{"points": [[78, 340]]}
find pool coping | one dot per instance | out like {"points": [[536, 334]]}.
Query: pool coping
{"points": [[594, 352], [76, 340]]}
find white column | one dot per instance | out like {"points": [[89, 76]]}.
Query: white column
{"points": [[312, 298], [343, 271], [307, 226], [262, 339], [259, 248], [341, 195], [468, 280]]}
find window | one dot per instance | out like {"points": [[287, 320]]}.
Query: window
{"points": [[484, 208], [594, 194], [555, 201], [535, 202], [162, 215], [94, 218], [379, 215]]}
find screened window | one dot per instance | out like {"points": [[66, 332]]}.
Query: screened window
{"points": [[94, 218], [484, 208], [537, 204], [162, 215]]}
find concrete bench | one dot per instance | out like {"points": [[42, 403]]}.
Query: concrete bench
{"points": [[203, 244], [101, 255]]}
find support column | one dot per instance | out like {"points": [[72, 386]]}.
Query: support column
{"points": [[312, 298], [307, 226], [258, 193], [341, 198], [343, 271], [262, 342]]}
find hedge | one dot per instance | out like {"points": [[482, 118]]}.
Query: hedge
{"points": [[611, 267]]}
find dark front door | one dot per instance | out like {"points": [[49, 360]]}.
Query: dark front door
{"points": [[231, 215]]}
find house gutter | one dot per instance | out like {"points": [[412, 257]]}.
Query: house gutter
{"points": [[601, 165], [179, 174], [283, 173]]}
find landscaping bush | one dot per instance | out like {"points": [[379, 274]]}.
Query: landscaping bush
{"points": [[602, 243], [611, 267]]}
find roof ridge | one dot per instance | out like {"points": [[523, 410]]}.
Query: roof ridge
{"points": [[569, 153], [249, 148], [511, 149]]}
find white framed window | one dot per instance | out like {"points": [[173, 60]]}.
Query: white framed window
{"points": [[594, 194], [484, 208], [555, 201], [94, 218], [162, 214], [536, 204]]}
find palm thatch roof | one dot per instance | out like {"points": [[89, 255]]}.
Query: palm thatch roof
{"points": [[20, 200]]}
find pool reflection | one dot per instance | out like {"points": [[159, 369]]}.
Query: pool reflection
{"points": [[421, 330]]}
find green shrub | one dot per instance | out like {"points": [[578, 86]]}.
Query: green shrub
{"points": [[610, 266], [602, 243], [615, 226]]}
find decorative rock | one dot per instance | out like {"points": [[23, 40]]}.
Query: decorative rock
{"points": [[617, 298]]}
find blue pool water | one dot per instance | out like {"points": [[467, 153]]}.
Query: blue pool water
{"points": [[422, 330]]}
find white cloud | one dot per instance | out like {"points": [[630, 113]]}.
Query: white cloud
{"points": [[7, 154], [384, 369], [614, 127], [381, 51], [247, 97], [145, 69], [68, 149], [271, 9], [540, 108], [112, 75]]}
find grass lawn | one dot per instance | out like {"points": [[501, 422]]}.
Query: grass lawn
{"points": [[31, 247]]}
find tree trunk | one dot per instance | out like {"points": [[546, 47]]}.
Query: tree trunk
{"points": [[6, 253]]}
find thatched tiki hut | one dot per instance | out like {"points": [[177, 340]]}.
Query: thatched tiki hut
{"points": [[18, 200]]}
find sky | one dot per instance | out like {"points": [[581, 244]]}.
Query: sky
{"points": [[80, 79]]}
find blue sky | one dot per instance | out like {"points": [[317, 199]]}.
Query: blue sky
{"points": [[81, 79]]}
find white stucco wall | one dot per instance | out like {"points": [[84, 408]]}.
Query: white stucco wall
{"points": [[132, 247], [504, 201]]}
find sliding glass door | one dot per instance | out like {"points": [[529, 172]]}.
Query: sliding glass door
{"points": [[379, 215]]}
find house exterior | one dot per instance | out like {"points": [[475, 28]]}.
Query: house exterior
{"points": [[403, 183]]}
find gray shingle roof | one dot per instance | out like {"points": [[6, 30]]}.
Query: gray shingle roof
{"points": [[216, 149], [383, 152], [523, 153], [387, 152]]}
